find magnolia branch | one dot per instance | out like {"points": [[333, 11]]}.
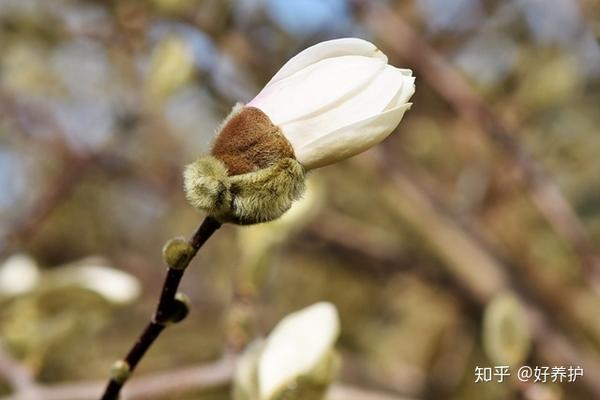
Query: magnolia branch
{"points": [[166, 311]]}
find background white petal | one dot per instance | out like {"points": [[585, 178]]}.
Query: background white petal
{"points": [[96, 274], [296, 345], [18, 274], [350, 140], [317, 88], [328, 49]]}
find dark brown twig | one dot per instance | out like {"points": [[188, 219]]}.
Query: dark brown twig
{"points": [[164, 309]]}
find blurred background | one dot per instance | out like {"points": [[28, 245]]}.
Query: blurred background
{"points": [[469, 238]]}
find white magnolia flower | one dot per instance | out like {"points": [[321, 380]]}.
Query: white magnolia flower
{"points": [[336, 99], [20, 274], [96, 274], [296, 346], [331, 101]]}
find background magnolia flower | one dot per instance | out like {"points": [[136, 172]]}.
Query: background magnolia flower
{"points": [[296, 346], [296, 361], [98, 275], [336, 99], [20, 274]]}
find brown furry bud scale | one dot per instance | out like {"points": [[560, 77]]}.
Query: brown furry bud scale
{"points": [[249, 141], [251, 175]]}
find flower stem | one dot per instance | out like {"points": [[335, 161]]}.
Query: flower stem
{"points": [[164, 310]]}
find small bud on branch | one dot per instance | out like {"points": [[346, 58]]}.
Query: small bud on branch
{"points": [[177, 252]]}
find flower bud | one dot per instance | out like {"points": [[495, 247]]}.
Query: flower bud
{"points": [[296, 349], [329, 102], [296, 362], [120, 371], [506, 336], [180, 308], [176, 253]]}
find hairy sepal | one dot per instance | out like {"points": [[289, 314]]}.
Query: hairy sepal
{"points": [[244, 199]]}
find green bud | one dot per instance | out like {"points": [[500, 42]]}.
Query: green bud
{"points": [[177, 252], [506, 336], [120, 371], [181, 308]]}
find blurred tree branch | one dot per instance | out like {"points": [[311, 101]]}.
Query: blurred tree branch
{"points": [[202, 377], [74, 167], [478, 274], [17, 376], [403, 42], [59, 189], [476, 270]]}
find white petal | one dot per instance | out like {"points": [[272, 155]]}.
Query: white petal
{"points": [[405, 93], [317, 88], [350, 140], [386, 91], [328, 49], [18, 274], [95, 274], [114, 285], [296, 345]]}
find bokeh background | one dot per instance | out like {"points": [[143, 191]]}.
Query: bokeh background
{"points": [[468, 238]]}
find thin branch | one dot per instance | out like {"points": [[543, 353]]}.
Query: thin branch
{"points": [[164, 309], [74, 167], [58, 190]]}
